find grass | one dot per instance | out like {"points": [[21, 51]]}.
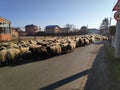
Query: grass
{"points": [[114, 66]]}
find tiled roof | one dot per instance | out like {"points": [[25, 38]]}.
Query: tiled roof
{"points": [[3, 20]]}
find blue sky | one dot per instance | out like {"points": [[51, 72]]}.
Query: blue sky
{"points": [[60, 12]]}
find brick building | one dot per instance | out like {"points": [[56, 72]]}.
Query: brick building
{"points": [[14, 32], [5, 29], [31, 29]]}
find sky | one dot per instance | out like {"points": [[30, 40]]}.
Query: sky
{"points": [[57, 12]]}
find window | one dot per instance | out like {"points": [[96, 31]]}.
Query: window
{"points": [[1, 30], [4, 28]]}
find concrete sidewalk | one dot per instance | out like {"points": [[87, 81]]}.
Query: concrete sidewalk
{"points": [[98, 75]]}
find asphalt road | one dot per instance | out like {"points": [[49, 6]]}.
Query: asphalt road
{"points": [[65, 72]]}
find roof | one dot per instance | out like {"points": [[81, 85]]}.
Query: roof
{"points": [[17, 29], [31, 25], [3, 20], [51, 26], [93, 30]]}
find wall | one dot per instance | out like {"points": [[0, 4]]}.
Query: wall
{"points": [[14, 33], [5, 37]]}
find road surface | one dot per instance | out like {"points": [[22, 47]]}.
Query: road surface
{"points": [[65, 72]]}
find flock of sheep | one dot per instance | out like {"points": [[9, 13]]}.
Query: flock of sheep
{"points": [[10, 52]]}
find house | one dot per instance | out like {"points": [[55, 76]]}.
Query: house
{"points": [[31, 29], [52, 29], [5, 29], [93, 31], [21, 32], [65, 30], [14, 32]]}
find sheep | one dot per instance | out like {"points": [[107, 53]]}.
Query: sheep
{"points": [[13, 54], [15, 46], [32, 42], [6, 45], [43, 43], [71, 46], [38, 50], [104, 38], [91, 40], [2, 48], [54, 49], [34, 49], [3, 56], [68, 46], [64, 48], [98, 37], [86, 41], [43, 50], [24, 50], [51, 45], [79, 42]]}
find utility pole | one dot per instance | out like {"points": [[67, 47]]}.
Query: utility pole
{"points": [[110, 21], [117, 40], [117, 33], [109, 25]]}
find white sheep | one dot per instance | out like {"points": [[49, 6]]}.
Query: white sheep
{"points": [[13, 54], [3, 55]]}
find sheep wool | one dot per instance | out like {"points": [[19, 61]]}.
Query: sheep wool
{"points": [[3, 55], [13, 53]]}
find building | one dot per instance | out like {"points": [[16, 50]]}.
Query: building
{"points": [[52, 29], [31, 29], [65, 30], [14, 32], [18, 32], [93, 31], [5, 29]]}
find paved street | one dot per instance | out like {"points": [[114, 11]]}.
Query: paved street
{"points": [[65, 72]]}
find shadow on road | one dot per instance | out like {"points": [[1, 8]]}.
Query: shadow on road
{"points": [[64, 81], [99, 75], [29, 58]]}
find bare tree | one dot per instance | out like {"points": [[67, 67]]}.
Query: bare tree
{"points": [[83, 29], [104, 27], [70, 26]]}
